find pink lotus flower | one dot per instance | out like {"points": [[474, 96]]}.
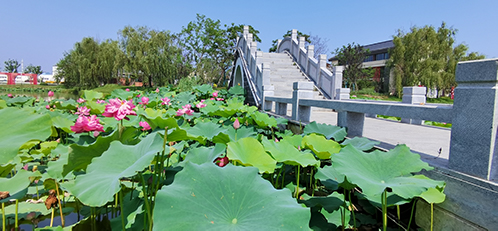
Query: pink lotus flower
{"points": [[166, 101], [185, 110], [212, 99], [10, 95], [50, 93], [220, 99], [236, 124], [96, 133], [215, 94], [119, 109], [201, 104], [47, 106], [145, 101], [222, 162], [83, 111], [80, 100], [145, 125], [99, 101], [127, 89], [157, 90], [87, 124]]}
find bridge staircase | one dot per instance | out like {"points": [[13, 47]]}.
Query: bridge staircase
{"points": [[273, 74]]}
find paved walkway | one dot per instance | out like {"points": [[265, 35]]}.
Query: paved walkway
{"points": [[421, 139]]}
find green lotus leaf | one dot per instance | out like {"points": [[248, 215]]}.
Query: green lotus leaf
{"points": [[207, 197], [329, 131], [90, 95], [263, 120], [20, 100], [56, 168], [433, 195], [294, 140], [203, 154], [205, 129], [155, 119], [377, 171], [22, 127], [25, 209], [45, 148], [330, 177], [63, 121], [330, 203], [122, 94], [285, 152], [16, 184], [80, 156], [133, 211], [95, 108], [203, 89], [102, 180], [66, 104], [3, 103], [322, 147], [232, 134], [361, 143], [236, 90], [249, 152], [336, 217], [183, 98]]}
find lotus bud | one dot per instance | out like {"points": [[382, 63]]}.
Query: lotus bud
{"points": [[236, 124]]}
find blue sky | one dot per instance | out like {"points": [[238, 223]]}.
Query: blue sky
{"points": [[40, 31]]}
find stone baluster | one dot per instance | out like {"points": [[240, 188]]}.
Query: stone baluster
{"points": [[302, 90], [413, 95], [474, 146]]}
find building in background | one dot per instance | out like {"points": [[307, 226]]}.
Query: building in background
{"points": [[377, 58]]}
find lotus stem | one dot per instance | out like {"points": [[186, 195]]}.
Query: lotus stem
{"points": [[399, 212], [432, 216], [343, 218], [115, 208], [384, 210], [60, 204], [283, 175], [17, 209], [278, 176], [122, 209], [120, 129], [146, 198], [37, 194], [352, 209], [52, 217], [411, 214], [297, 186], [3, 216]]}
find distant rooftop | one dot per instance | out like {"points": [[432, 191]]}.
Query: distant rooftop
{"points": [[380, 46], [375, 48]]}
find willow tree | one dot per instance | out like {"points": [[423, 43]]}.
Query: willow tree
{"points": [[427, 56], [90, 64], [151, 55]]}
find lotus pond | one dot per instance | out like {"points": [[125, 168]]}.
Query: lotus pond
{"points": [[200, 160]]}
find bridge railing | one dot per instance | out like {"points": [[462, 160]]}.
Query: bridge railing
{"points": [[257, 72], [328, 82], [474, 115]]}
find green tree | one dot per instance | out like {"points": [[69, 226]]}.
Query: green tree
{"points": [[351, 57], [11, 66], [274, 43], [426, 56], [152, 56], [33, 69], [209, 47], [90, 64]]}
